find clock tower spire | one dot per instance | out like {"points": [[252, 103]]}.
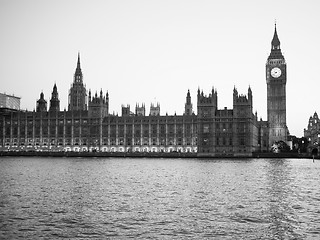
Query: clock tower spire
{"points": [[275, 46], [276, 77]]}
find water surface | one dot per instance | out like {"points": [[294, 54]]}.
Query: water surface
{"points": [[106, 198]]}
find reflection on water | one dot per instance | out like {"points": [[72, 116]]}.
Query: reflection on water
{"points": [[290, 190], [159, 198], [279, 191]]}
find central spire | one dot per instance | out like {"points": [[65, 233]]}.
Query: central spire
{"points": [[275, 43], [78, 63], [78, 73], [275, 46]]}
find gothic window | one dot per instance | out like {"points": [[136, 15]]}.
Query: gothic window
{"points": [[68, 130], [8, 131], [146, 130], [22, 130], [29, 131], [52, 130], [44, 128], [121, 130], [188, 129], [60, 131], [76, 130], [113, 130], [137, 141], [154, 129], [129, 130], [206, 128], [171, 129], [154, 141], [162, 129], [137, 133], [105, 130], [15, 131]]}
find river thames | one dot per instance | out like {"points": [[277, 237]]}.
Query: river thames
{"points": [[114, 198]]}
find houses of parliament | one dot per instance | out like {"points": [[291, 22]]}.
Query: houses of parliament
{"points": [[87, 125]]}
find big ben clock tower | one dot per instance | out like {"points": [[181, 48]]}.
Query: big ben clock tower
{"points": [[276, 76]]}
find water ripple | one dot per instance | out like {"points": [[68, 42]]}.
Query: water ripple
{"points": [[159, 199]]}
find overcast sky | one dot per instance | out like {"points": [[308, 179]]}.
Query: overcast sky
{"points": [[154, 51]]}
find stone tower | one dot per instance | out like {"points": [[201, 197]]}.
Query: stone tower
{"points": [[188, 105], [54, 101], [140, 111], [154, 110], [207, 107], [77, 92], [98, 105], [41, 104], [243, 118], [276, 76]]}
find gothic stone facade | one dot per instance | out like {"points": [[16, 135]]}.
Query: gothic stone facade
{"points": [[312, 132], [88, 125]]}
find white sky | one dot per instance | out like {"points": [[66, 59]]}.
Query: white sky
{"points": [[154, 51]]}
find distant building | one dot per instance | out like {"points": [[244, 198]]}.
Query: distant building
{"points": [[9, 102], [88, 125], [312, 132]]}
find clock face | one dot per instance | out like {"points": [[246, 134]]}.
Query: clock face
{"points": [[275, 72]]}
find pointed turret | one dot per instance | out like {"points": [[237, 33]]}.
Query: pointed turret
{"points": [[188, 105], [250, 95], [78, 73], [54, 101], [235, 91], [188, 99], [55, 89], [41, 104], [98, 104], [78, 64], [249, 91], [275, 46], [275, 43]]}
